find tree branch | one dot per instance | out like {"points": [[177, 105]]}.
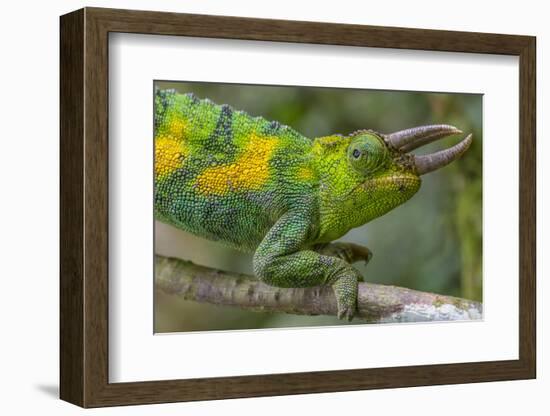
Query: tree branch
{"points": [[376, 303]]}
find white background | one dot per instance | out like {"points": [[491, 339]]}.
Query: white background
{"points": [[29, 218], [136, 355]]}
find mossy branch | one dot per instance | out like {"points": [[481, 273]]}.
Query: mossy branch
{"points": [[376, 303]]}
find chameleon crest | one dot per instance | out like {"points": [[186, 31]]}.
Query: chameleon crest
{"points": [[260, 186]]}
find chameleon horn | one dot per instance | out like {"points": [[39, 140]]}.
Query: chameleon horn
{"points": [[428, 163], [409, 139]]}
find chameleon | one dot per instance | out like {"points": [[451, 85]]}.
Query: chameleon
{"points": [[262, 187]]}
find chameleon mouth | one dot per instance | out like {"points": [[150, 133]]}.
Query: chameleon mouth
{"points": [[399, 182], [410, 139]]}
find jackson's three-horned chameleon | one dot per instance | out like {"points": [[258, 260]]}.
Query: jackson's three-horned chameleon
{"points": [[261, 186]]}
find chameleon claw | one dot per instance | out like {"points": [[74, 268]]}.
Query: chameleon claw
{"points": [[346, 313], [367, 255]]}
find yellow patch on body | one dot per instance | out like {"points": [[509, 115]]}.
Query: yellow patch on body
{"points": [[176, 128], [305, 173], [169, 155], [250, 171], [170, 149]]}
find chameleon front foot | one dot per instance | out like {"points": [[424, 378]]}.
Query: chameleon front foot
{"points": [[284, 259]]}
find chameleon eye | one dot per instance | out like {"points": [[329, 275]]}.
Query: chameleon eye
{"points": [[366, 153]]}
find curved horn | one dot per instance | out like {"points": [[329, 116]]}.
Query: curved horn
{"points": [[410, 139], [428, 163]]}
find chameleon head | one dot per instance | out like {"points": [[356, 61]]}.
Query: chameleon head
{"points": [[380, 173]]}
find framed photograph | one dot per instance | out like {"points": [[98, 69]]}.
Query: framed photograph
{"points": [[254, 207]]}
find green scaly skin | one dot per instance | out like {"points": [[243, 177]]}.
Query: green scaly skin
{"points": [[262, 187]]}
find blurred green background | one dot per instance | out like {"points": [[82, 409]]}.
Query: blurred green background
{"points": [[431, 243]]}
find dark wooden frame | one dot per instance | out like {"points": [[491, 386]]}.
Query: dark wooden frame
{"points": [[84, 208]]}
